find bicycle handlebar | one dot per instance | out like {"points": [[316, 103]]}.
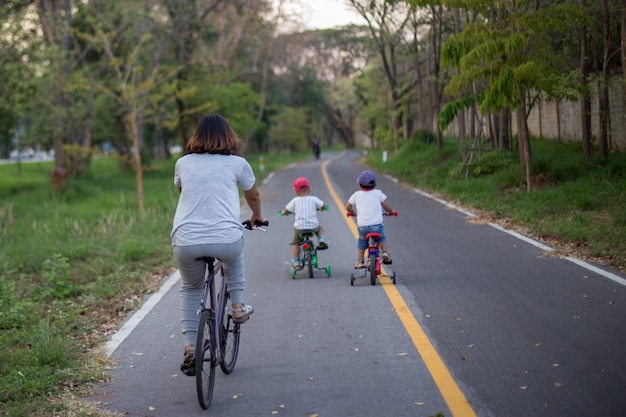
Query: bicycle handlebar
{"points": [[257, 225], [323, 208], [395, 213]]}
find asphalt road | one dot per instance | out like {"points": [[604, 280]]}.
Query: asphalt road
{"points": [[482, 322]]}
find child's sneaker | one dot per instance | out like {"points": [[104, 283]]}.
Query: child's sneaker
{"points": [[359, 264], [321, 243], [386, 258], [296, 263]]}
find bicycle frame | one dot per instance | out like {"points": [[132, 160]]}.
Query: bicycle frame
{"points": [[216, 304], [214, 343], [373, 255], [308, 255], [373, 249]]}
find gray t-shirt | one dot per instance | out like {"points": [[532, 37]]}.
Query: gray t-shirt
{"points": [[208, 208]]}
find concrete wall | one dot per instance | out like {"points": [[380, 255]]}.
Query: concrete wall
{"points": [[552, 120]]}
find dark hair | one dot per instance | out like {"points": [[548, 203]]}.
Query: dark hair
{"points": [[213, 135]]}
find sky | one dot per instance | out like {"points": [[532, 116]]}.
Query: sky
{"points": [[323, 14]]}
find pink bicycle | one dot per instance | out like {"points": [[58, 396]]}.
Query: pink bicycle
{"points": [[373, 261]]}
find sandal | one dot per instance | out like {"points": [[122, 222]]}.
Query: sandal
{"points": [[246, 310], [188, 367]]}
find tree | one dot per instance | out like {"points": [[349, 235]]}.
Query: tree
{"points": [[585, 100], [137, 81], [18, 62], [510, 55], [388, 22], [55, 17]]}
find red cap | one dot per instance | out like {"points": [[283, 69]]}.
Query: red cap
{"points": [[300, 184]]}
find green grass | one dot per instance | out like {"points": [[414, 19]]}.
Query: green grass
{"points": [[577, 205]]}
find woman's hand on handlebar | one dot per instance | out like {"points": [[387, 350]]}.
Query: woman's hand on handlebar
{"points": [[258, 224]]}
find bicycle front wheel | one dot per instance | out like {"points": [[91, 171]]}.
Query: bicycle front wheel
{"points": [[205, 359], [230, 338]]}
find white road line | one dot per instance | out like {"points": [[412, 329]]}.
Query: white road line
{"points": [[134, 320], [599, 271]]}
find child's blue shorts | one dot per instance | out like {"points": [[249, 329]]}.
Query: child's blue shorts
{"points": [[364, 230]]}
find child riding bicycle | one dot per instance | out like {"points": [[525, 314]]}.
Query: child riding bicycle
{"points": [[305, 207], [366, 205]]}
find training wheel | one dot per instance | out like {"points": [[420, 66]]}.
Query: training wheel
{"points": [[352, 279], [293, 272], [393, 277]]}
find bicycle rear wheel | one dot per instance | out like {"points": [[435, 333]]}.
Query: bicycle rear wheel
{"points": [[309, 262], [230, 338], [372, 269], [205, 359]]}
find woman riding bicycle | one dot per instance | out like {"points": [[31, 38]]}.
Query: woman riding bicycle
{"points": [[206, 222]]}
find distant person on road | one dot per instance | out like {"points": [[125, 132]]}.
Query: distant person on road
{"points": [[206, 222], [316, 147], [367, 205], [305, 207]]}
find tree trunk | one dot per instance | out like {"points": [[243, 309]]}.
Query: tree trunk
{"points": [[585, 101], [461, 115], [603, 109], [623, 49], [133, 130], [523, 139], [56, 34]]}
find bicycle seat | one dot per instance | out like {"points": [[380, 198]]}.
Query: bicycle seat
{"points": [[373, 235], [208, 259], [307, 233]]}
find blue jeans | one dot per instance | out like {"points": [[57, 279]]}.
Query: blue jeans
{"points": [[364, 230]]}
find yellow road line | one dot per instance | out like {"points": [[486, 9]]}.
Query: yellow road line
{"points": [[450, 391]]}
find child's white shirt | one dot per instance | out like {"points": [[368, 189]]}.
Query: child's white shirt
{"points": [[367, 205], [305, 209]]}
